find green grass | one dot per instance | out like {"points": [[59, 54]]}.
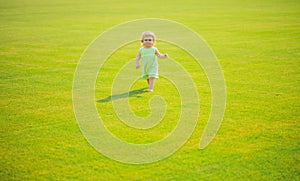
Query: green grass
{"points": [[257, 44]]}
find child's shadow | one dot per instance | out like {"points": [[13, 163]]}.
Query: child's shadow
{"points": [[133, 93]]}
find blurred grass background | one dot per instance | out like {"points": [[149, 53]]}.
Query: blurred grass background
{"points": [[257, 44]]}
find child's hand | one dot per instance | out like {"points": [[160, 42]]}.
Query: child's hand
{"points": [[166, 56], [137, 66]]}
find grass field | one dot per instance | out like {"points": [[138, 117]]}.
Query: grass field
{"points": [[257, 44]]}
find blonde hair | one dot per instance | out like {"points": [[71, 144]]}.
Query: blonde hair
{"points": [[148, 33]]}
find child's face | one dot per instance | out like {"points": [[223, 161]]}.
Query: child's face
{"points": [[148, 41]]}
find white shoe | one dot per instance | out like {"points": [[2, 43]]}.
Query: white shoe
{"points": [[150, 90]]}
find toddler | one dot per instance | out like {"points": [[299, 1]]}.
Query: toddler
{"points": [[149, 55]]}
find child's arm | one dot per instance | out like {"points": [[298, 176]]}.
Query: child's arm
{"points": [[137, 61], [159, 55]]}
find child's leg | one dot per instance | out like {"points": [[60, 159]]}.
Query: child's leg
{"points": [[148, 81], [151, 84]]}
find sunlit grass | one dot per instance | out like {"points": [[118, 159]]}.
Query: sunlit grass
{"points": [[257, 45]]}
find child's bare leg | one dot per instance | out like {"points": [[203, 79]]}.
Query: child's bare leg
{"points": [[148, 81], [151, 84]]}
